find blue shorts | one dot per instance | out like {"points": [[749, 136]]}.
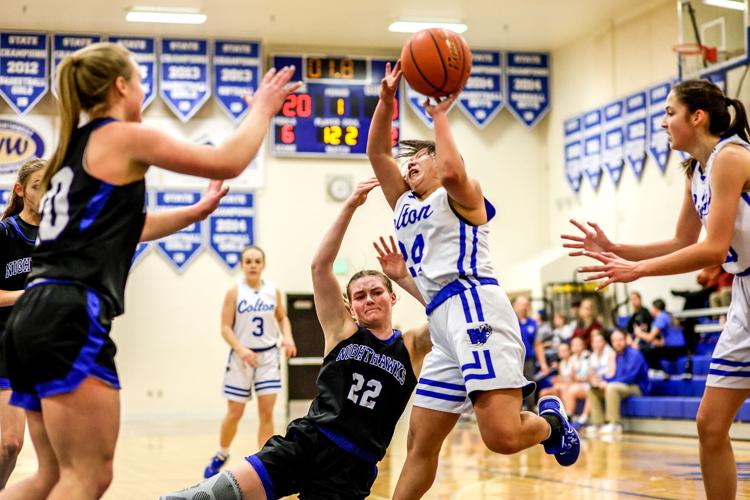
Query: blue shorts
{"points": [[56, 337]]}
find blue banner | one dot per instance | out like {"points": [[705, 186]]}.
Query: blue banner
{"points": [[144, 53], [573, 152], [63, 46], [636, 131], [415, 101], [613, 140], [592, 147], [183, 76], [658, 141], [482, 97], [230, 228], [24, 69], [236, 72], [4, 197], [183, 246], [527, 85]]}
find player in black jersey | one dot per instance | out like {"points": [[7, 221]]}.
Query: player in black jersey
{"points": [[368, 374], [59, 353], [18, 230]]}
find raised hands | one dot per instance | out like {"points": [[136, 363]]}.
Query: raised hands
{"points": [[359, 195], [211, 199], [273, 89], [440, 106], [389, 83], [391, 260], [593, 239], [614, 269]]}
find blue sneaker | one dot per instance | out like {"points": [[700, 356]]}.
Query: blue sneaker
{"points": [[566, 452], [217, 462]]}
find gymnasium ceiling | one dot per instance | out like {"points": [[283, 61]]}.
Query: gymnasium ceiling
{"points": [[506, 24]]}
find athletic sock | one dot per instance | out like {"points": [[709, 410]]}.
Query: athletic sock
{"points": [[556, 428], [224, 452]]}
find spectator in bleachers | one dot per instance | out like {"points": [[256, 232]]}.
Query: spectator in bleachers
{"points": [[565, 369], [574, 315], [601, 365], [629, 379], [641, 317], [546, 345], [521, 306], [578, 387], [665, 339], [588, 321]]}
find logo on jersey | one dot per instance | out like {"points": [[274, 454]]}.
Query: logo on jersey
{"points": [[244, 306], [410, 215], [19, 266], [701, 206], [368, 355], [18, 143], [478, 336]]}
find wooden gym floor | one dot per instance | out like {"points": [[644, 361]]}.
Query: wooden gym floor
{"points": [[157, 457]]}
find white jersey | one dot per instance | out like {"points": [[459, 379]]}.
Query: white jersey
{"points": [[738, 260], [255, 323], [440, 247]]}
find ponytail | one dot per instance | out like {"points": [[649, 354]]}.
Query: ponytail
{"points": [[739, 125], [15, 203], [84, 80]]}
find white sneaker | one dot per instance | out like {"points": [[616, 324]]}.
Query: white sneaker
{"points": [[592, 430], [611, 429]]}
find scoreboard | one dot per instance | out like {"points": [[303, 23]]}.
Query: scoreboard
{"points": [[330, 114]]}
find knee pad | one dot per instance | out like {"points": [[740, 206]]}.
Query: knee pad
{"points": [[222, 486]]}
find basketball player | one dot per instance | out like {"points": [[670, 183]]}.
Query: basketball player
{"points": [[18, 230], [58, 350], [716, 196], [368, 374], [252, 320], [477, 358]]}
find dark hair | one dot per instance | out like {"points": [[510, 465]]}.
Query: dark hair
{"points": [[637, 294], [411, 147], [704, 95], [368, 272], [15, 202], [254, 247], [659, 304], [83, 82]]}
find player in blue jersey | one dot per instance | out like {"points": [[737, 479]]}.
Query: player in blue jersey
{"points": [[369, 372], [717, 198], [18, 231], [441, 220], [58, 349], [253, 321]]}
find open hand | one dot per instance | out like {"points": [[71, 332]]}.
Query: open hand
{"points": [[211, 198], [273, 89], [359, 195], [613, 269], [440, 106], [391, 260], [593, 240], [389, 83]]}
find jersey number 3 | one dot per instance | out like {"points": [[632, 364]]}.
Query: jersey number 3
{"points": [[367, 398], [55, 205]]}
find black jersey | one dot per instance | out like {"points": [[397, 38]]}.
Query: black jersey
{"points": [[365, 384], [16, 241], [89, 228]]}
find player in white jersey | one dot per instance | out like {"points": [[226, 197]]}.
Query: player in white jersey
{"points": [[716, 196], [253, 320], [477, 358]]}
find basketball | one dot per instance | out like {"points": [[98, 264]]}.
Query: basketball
{"points": [[436, 62]]}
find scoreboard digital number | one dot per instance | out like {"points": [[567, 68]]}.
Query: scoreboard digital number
{"points": [[330, 114]]}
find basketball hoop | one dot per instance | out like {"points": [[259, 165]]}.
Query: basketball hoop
{"points": [[693, 58]]}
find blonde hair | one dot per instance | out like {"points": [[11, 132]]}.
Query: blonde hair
{"points": [[15, 203], [84, 79]]}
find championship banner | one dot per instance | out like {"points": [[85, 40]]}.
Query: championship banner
{"points": [[592, 147], [182, 247], [24, 69], [231, 228], [144, 53], [236, 67], [613, 140], [63, 46], [18, 143], [527, 85], [573, 153], [183, 76], [482, 97], [658, 140], [636, 131]]}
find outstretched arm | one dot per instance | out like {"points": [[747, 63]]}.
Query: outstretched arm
{"points": [[464, 192], [393, 265], [9, 297], [380, 140], [594, 239], [165, 222], [332, 313]]}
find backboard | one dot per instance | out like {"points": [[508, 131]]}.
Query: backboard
{"points": [[713, 37]]}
